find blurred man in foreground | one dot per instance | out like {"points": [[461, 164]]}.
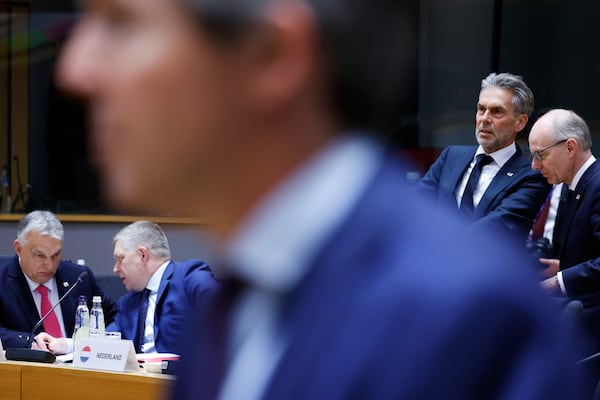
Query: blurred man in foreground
{"points": [[163, 294], [341, 283]]}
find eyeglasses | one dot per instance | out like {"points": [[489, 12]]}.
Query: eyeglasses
{"points": [[537, 155]]}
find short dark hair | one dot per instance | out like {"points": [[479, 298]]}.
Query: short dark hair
{"points": [[367, 45]]}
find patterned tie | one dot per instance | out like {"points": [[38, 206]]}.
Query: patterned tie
{"points": [[51, 325], [466, 204], [142, 320]]}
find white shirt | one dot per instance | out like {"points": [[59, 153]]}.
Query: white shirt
{"points": [[274, 246], [148, 345], [488, 172], [551, 219], [572, 186]]}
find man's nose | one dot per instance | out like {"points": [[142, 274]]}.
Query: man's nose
{"points": [[79, 64]]}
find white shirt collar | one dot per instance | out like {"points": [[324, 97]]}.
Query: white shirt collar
{"points": [[274, 245], [581, 171], [154, 282], [500, 156]]}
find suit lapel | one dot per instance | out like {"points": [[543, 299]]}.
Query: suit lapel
{"points": [[464, 157], [19, 288], [572, 206], [69, 304], [160, 296], [510, 171]]}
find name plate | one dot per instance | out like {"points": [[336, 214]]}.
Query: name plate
{"points": [[105, 354]]}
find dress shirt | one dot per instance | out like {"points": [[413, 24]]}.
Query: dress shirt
{"points": [[573, 186], [52, 296], [153, 285], [272, 250], [488, 172], [551, 219]]}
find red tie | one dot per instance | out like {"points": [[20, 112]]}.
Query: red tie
{"points": [[537, 232], [51, 325]]}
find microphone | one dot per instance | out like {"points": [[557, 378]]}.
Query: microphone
{"points": [[29, 354]]}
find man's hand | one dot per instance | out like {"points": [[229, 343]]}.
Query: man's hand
{"points": [[553, 266], [45, 342], [551, 285]]}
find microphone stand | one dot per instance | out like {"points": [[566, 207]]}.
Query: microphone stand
{"points": [[33, 355]]}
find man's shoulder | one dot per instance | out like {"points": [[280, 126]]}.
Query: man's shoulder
{"points": [[9, 268], [191, 270], [594, 173], [67, 268], [457, 150]]}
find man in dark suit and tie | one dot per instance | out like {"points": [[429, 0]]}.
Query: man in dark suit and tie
{"points": [[163, 294], [561, 143], [492, 185], [343, 283], [34, 280]]}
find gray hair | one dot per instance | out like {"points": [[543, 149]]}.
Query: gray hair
{"points": [[144, 233], [43, 222], [567, 124], [522, 96]]}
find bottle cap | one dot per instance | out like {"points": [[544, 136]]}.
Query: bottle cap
{"points": [[82, 298], [97, 299]]}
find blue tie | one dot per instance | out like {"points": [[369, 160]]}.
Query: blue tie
{"points": [[466, 204], [139, 340]]}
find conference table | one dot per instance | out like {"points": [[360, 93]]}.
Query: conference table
{"points": [[38, 381]]}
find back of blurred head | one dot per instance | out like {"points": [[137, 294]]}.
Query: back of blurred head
{"points": [[363, 46], [202, 107]]}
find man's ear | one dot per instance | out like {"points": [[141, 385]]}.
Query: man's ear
{"points": [[144, 253], [282, 54], [521, 122], [571, 146], [17, 247]]}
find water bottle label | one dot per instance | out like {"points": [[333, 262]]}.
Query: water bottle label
{"points": [[96, 333]]}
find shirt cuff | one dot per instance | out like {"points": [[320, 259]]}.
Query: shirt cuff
{"points": [[561, 282]]}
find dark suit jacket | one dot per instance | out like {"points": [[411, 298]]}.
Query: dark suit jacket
{"points": [[18, 313], [403, 303], [184, 287], [511, 201], [577, 242]]}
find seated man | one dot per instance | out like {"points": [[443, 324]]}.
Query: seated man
{"points": [[35, 279], [163, 293], [491, 185]]}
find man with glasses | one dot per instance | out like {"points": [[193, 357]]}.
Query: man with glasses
{"points": [[564, 155], [560, 144], [491, 185]]}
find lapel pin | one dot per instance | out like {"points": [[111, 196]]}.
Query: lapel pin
{"points": [[578, 196], [66, 284], [509, 174]]}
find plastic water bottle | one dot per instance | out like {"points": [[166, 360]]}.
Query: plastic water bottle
{"points": [[82, 320], [82, 314], [97, 318]]}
